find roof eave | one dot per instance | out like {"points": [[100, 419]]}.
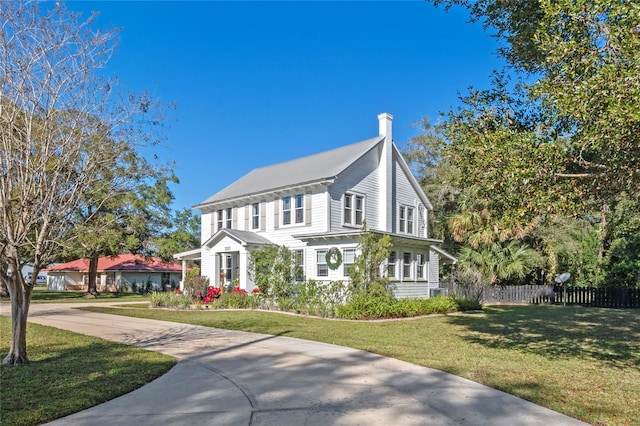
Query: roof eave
{"points": [[280, 190]]}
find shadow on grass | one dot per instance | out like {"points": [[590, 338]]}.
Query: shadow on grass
{"points": [[69, 375], [611, 336]]}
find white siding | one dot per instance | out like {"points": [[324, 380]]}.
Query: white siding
{"points": [[410, 289], [207, 226], [361, 178], [434, 268]]}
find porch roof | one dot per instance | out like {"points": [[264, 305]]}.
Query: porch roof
{"points": [[243, 237], [195, 254]]}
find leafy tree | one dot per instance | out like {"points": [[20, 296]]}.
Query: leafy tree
{"points": [[273, 269], [440, 179], [125, 221], [562, 142], [500, 263], [622, 260], [61, 127], [365, 273], [584, 60], [184, 234]]}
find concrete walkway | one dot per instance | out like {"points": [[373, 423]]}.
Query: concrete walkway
{"points": [[237, 378]]}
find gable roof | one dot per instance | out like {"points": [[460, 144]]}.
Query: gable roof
{"points": [[123, 262], [242, 237], [324, 166]]}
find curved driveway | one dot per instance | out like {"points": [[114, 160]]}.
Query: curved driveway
{"points": [[235, 378]]}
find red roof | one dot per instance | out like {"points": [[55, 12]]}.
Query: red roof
{"points": [[123, 262]]}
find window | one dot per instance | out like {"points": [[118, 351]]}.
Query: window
{"points": [[255, 216], [298, 209], [228, 226], [111, 278], [165, 280], [322, 270], [286, 211], [391, 265], [348, 259], [420, 260], [405, 222], [353, 209], [218, 220], [298, 258], [406, 265]]}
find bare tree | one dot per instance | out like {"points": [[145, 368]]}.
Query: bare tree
{"points": [[62, 125]]}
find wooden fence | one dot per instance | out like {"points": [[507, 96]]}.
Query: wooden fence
{"points": [[611, 297]]}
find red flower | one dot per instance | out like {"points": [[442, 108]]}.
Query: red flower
{"points": [[178, 291], [255, 290], [237, 289]]}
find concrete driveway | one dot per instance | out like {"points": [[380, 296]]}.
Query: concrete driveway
{"points": [[236, 378]]}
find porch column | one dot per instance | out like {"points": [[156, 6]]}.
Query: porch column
{"points": [[244, 264], [216, 270], [184, 274]]}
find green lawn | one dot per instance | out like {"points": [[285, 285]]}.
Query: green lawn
{"points": [[42, 295], [69, 372], [584, 362]]}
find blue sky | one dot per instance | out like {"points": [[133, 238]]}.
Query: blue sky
{"points": [[258, 83]]}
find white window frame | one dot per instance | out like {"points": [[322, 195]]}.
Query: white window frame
{"points": [[228, 217], [407, 266], [286, 210], [299, 208], [293, 210], [255, 216], [298, 261], [421, 263], [351, 214], [391, 264], [406, 219], [345, 264], [219, 219], [321, 261]]}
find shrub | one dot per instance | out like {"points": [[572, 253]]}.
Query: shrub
{"points": [[364, 306], [467, 304]]}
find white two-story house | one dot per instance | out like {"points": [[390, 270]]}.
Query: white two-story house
{"points": [[319, 203]]}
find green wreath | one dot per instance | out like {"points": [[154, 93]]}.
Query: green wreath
{"points": [[333, 258]]}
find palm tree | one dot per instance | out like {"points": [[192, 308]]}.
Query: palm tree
{"points": [[500, 261]]}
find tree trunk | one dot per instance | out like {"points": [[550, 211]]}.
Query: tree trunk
{"points": [[4, 278], [93, 274], [20, 299]]}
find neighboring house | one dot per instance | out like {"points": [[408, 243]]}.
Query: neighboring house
{"points": [[319, 203], [27, 273], [128, 272]]}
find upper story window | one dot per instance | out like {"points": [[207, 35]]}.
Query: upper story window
{"points": [[219, 220], [255, 216], [293, 209], [223, 218], [353, 209], [228, 218], [405, 219]]}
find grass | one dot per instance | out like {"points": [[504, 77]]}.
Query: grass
{"points": [[583, 362], [42, 295], [70, 372]]}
